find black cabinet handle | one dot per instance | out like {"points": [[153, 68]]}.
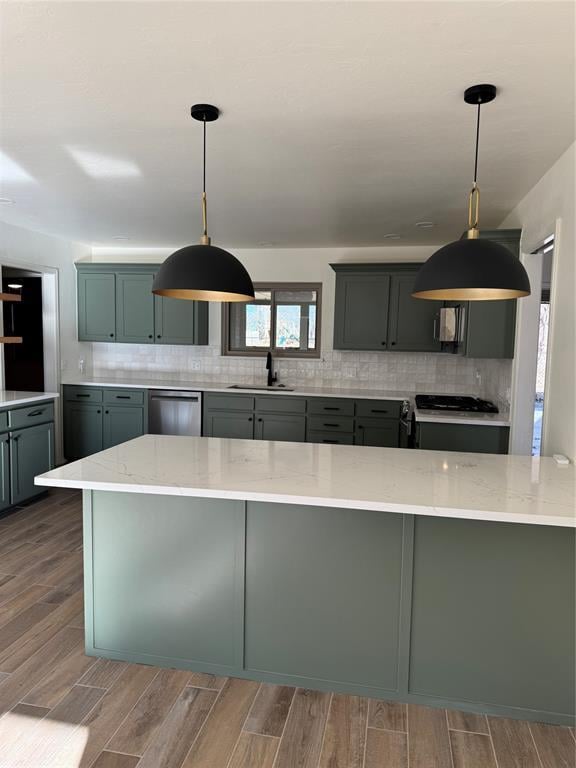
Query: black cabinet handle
{"points": [[360, 426], [98, 411], [111, 335], [393, 343], [335, 442], [331, 408], [122, 397], [375, 410], [80, 395], [150, 336], [35, 413], [16, 437], [104, 411], [250, 418], [331, 425], [159, 336], [259, 419], [383, 343]]}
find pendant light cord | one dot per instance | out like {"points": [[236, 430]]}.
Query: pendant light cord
{"points": [[477, 145], [205, 240]]}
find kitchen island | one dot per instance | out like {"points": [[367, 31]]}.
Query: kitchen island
{"points": [[438, 578]]}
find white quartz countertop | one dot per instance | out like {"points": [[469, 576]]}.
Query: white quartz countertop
{"points": [[10, 397], [146, 382], [462, 417], [515, 489]]}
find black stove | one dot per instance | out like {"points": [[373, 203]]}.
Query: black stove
{"points": [[454, 403]]}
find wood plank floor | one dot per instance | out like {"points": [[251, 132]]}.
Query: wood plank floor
{"points": [[62, 709]]}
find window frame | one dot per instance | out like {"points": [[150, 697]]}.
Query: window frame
{"points": [[274, 288]]}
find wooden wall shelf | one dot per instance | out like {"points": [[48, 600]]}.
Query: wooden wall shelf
{"points": [[10, 297], [10, 339]]}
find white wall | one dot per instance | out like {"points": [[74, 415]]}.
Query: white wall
{"points": [[549, 208]]}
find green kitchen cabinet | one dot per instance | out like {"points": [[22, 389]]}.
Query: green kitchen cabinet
{"points": [[96, 306], [280, 426], [412, 322], [472, 438], [177, 321], [82, 429], [4, 471], [98, 418], [361, 310], [235, 424], [31, 454], [378, 433], [135, 308], [491, 325], [121, 423]]}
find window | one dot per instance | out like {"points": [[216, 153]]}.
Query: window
{"points": [[284, 319]]}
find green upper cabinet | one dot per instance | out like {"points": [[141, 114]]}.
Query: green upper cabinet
{"points": [[411, 322], [116, 304], [135, 308], [361, 310], [491, 325], [96, 306], [177, 321]]}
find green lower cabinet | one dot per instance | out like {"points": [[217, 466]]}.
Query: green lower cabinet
{"points": [[82, 429], [323, 593], [493, 614], [4, 471], [229, 424], [121, 423], [31, 454], [383, 433], [280, 426], [434, 436], [166, 579]]}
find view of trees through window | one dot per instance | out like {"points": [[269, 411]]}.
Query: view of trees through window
{"points": [[281, 319]]}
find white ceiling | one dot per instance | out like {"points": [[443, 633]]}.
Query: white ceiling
{"points": [[341, 121]]}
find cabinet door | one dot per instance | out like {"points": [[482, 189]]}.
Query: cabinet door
{"points": [[135, 308], [280, 426], [411, 321], [82, 430], [121, 423], [491, 325], [31, 454], [4, 472], [361, 311], [381, 433], [177, 321], [462, 437], [96, 306], [229, 424]]}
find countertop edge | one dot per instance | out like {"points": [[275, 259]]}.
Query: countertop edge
{"points": [[41, 396], [406, 509]]}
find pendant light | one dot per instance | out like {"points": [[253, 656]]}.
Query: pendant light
{"points": [[473, 269], [203, 272]]}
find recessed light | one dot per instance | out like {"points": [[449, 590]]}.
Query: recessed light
{"points": [[6, 201], [391, 236], [120, 237], [424, 224]]}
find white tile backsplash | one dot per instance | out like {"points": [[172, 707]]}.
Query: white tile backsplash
{"points": [[412, 372]]}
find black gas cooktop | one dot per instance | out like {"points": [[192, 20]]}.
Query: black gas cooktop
{"points": [[454, 403]]}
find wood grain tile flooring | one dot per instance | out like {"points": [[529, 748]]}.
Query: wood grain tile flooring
{"points": [[62, 709]]}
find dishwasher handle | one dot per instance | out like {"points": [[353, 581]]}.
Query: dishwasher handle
{"points": [[181, 398]]}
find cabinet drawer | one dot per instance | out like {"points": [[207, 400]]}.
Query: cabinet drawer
{"points": [[229, 402], [385, 409], [335, 438], [333, 405], [124, 396], [330, 423], [3, 421], [83, 394], [278, 404], [32, 414]]}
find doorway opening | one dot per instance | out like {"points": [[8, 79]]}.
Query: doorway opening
{"points": [[547, 252], [23, 362]]}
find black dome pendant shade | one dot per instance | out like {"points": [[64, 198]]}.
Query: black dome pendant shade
{"points": [[203, 272], [473, 269]]}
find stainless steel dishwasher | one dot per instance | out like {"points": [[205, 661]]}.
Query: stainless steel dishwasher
{"points": [[172, 412]]}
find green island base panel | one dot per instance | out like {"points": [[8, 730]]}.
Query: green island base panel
{"points": [[447, 612]]}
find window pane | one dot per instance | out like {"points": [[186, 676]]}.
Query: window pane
{"points": [[312, 327], [288, 324], [249, 324]]}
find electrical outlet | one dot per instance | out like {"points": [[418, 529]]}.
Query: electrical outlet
{"points": [[194, 365]]}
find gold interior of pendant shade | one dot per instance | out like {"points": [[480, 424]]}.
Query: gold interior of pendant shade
{"points": [[199, 295], [471, 294]]}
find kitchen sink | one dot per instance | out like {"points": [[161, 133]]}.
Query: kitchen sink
{"points": [[263, 387]]}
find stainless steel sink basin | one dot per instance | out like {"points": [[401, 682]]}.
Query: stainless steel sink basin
{"points": [[263, 387]]}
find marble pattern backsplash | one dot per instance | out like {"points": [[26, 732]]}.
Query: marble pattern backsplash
{"points": [[412, 372]]}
